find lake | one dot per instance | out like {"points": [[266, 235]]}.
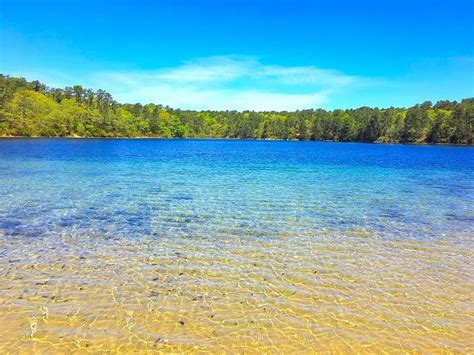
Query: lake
{"points": [[227, 245]]}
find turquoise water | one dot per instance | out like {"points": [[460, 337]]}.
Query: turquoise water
{"points": [[127, 188], [251, 218]]}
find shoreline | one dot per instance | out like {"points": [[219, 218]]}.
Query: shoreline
{"points": [[234, 139]]}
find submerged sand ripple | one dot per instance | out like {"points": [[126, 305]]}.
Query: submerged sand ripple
{"points": [[326, 292]]}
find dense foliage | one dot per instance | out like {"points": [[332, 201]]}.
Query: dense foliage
{"points": [[32, 109]]}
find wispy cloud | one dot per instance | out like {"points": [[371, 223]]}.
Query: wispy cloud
{"points": [[229, 82], [223, 99]]}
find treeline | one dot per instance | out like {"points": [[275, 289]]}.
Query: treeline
{"points": [[33, 109]]}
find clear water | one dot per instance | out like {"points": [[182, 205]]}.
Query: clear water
{"points": [[218, 245]]}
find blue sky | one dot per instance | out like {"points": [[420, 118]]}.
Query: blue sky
{"points": [[244, 54]]}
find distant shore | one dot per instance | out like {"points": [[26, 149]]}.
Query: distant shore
{"points": [[235, 139], [32, 109]]}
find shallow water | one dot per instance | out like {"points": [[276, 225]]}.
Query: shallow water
{"points": [[239, 246]]}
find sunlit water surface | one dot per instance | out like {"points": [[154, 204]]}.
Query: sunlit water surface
{"points": [[238, 246]]}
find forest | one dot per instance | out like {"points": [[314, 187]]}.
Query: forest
{"points": [[32, 109]]}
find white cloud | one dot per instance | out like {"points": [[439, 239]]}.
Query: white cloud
{"points": [[225, 99], [307, 76], [228, 82], [213, 69]]}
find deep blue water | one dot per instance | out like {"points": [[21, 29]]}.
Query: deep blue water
{"points": [[128, 188]]}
